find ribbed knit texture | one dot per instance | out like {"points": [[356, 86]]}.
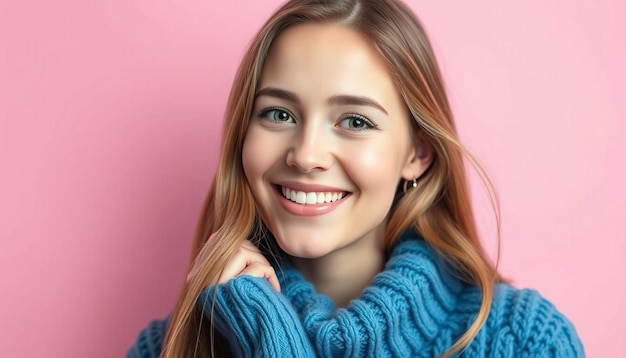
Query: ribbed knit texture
{"points": [[150, 340], [414, 308]]}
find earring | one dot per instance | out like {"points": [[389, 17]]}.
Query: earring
{"points": [[407, 183]]}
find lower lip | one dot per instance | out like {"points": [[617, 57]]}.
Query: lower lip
{"points": [[307, 209]]}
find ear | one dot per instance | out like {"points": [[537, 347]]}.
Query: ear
{"points": [[420, 157]]}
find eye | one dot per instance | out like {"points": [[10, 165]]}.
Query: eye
{"points": [[276, 115], [356, 122]]}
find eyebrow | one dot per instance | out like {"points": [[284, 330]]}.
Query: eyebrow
{"points": [[334, 100]]}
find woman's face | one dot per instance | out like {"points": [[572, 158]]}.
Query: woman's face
{"points": [[328, 141]]}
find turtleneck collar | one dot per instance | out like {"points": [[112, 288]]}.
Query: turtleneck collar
{"points": [[410, 299]]}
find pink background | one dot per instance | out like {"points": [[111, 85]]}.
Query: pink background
{"points": [[110, 117]]}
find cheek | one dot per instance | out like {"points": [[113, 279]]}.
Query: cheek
{"points": [[259, 154], [376, 167], [250, 159]]}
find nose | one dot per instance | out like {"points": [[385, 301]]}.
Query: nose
{"points": [[310, 150]]}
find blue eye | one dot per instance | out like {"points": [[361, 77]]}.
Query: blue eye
{"points": [[276, 115], [356, 123]]}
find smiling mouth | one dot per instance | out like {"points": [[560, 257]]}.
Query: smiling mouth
{"points": [[311, 198]]}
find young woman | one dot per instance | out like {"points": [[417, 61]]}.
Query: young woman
{"points": [[339, 221]]}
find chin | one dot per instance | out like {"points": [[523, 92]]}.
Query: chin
{"points": [[305, 247]]}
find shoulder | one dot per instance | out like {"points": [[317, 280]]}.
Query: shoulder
{"points": [[524, 323], [150, 340]]}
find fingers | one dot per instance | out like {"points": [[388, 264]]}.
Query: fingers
{"points": [[248, 260], [258, 269]]}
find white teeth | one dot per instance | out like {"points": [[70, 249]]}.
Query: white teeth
{"points": [[300, 197], [311, 198]]}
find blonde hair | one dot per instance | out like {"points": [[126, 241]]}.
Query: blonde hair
{"points": [[439, 207]]}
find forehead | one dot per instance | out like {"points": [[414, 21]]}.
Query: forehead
{"points": [[328, 58]]}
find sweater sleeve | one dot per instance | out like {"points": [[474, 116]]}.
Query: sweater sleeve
{"points": [[564, 343], [256, 320], [150, 341], [550, 334], [524, 324]]}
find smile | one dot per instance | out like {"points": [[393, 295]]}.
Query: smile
{"points": [[311, 198]]}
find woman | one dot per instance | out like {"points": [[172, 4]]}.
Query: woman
{"points": [[339, 220]]}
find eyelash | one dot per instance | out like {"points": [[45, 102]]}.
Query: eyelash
{"points": [[263, 114], [369, 125], [265, 111]]}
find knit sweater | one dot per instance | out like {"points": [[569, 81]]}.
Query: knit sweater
{"points": [[414, 308]]}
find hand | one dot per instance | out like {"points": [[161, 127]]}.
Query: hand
{"points": [[248, 260]]}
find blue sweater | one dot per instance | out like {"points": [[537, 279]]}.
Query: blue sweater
{"points": [[414, 308]]}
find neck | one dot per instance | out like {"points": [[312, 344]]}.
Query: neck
{"points": [[343, 274]]}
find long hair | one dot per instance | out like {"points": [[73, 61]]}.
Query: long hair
{"points": [[439, 207]]}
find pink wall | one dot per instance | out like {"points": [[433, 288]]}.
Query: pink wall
{"points": [[110, 115]]}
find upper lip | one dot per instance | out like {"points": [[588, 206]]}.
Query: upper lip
{"points": [[308, 188]]}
